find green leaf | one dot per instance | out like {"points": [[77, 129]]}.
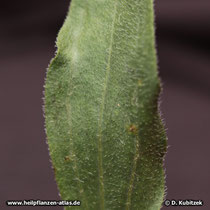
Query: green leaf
{"points": [[105, 135]]}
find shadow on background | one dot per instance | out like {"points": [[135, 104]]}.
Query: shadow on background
{"points": [[27, 39]]}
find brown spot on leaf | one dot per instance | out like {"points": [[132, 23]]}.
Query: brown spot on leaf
{"points": [[139, 82], [67, 158], [133, 129]]}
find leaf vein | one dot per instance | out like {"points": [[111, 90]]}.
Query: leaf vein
{"points": [[133, 173], [101, 178]]}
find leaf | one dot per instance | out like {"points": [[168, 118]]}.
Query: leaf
{"points": [[105, 135]]}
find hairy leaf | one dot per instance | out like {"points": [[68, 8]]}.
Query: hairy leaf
{"points": [[105, 135]]}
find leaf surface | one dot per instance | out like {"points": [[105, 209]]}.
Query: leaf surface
{"points": [[105, 136]]}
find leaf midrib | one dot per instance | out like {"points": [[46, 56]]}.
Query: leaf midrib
{"points": [[100, 166]]}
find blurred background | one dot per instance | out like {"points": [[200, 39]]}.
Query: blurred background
{"points": [[27, 44]]}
